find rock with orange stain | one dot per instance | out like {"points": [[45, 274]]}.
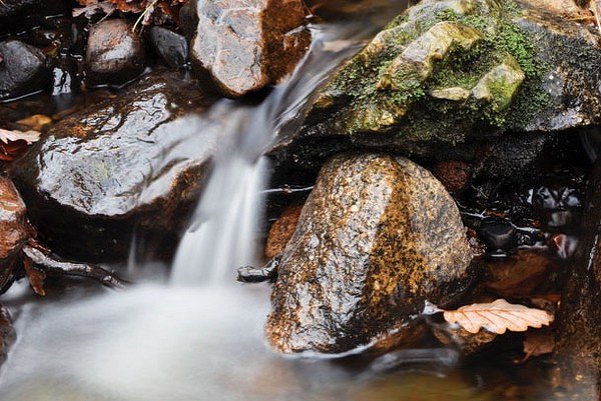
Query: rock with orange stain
{"points": [[377, 237], [282, 230]]}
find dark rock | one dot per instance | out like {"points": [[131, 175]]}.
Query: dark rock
{"points": [[449, 74], [498, 235], [377, 237], [246, 46], [134, 160], [115, 53], [578, 329], [13, 12], [23, 70], [171, 47], [518, 275]]}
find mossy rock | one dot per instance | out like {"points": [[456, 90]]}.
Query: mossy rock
{"points": [[451, 73]]}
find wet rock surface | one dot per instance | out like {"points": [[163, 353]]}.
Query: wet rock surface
{"points": [[578, 333], [246, 46], [134, 160], [170, 46], [282, 230], [13, 220], [115, 53], [377, 237], [23, 70], [450, 74]]}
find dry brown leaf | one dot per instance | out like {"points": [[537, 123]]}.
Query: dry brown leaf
{"points": [[30, 136], [538, 342], [498, 317], [35, 276]]}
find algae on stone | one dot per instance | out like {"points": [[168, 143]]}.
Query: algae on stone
{"points": [[445, 71]]}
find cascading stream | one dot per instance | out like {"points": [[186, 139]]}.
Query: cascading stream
{"points": [[221, 236]]}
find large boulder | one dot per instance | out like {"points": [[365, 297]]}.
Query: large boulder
{"points": [[377, 238], [137, 159], [452, 73], [245, 46], [23, 70]]}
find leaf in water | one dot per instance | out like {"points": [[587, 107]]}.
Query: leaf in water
{"points": [[30, 136], [498, 317], [538, 342], [35, 122]]}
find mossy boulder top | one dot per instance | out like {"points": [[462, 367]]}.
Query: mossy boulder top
{"points": [[377, 237], [450, 72]]}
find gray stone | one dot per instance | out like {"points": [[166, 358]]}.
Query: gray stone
{"points": [[246, 46], [23, 70]]}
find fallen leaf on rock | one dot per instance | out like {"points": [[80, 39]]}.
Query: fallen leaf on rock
{"points": [[498, 317], [30, 136], [538, 342]]}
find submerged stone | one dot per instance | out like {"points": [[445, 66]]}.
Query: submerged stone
{"points": [[448, 75], [245, 46], [377, 238], [135, 160]]}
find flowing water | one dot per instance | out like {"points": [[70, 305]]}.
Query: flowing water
{"points": [[199, 335]]}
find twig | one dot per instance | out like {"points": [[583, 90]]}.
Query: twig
{"points": [[50, 263], [147, 11]]}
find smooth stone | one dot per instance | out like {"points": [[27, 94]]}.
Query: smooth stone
{"points": [[23, 70], [170, 46], [377, 238], [115, 53], [134, 161], [498, 235]]}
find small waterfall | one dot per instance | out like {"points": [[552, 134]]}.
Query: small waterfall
{"points": [[222, 234]]}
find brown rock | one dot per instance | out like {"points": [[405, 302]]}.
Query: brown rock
{"points": [[115, 53], [282, 230], [519, 274], [377, 237], [13, 232], [248, 45], [453, 174]]}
